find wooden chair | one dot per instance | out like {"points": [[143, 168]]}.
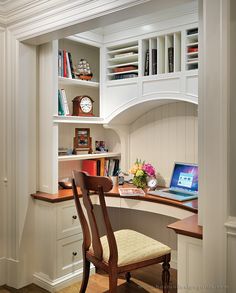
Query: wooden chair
{"points": [[116, 252]]}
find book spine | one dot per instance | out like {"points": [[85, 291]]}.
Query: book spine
{"points": [[146, 67], [65, 103], [68, 66], [127, 68], [154, 61], [59, 63], [64, 64], [61, 111], [90, 166], [171, 59], [71, 65]]}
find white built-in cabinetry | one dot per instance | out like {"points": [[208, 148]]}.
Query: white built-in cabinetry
{"points": [[58, 244], [117, 103]]}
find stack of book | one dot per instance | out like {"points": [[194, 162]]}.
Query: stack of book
{"points": [[65, 65], [101, 167], [63, 108]]}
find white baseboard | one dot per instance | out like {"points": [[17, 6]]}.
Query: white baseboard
{"points": [[3, 271], [46, 283]]}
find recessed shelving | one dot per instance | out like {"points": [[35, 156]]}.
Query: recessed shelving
{"points": [[192, 49], [87, 156], [122, 61]]}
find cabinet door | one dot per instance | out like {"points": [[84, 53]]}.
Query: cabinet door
{"points": [[67, 221], [69, 255]]}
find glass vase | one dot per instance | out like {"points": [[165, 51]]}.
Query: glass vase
{"points": [[140, 181]]}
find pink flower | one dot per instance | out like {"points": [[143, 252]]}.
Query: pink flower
{"points": [[149, 169]]}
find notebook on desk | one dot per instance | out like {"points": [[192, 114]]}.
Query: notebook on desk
{"points": [[183, 184]]}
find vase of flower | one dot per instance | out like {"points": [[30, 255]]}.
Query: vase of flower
{"points": [[139, 181], [141, 171]]}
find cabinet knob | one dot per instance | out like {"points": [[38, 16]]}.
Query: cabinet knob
{"points": [[74, 253], [74, 217]]}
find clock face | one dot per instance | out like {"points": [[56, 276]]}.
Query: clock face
{"points": [[152, 183], [86, 104]]}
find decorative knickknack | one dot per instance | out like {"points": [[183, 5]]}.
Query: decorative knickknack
{"points": [[84, 70]]}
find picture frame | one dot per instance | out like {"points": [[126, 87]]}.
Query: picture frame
{"points": [[82, 138]]}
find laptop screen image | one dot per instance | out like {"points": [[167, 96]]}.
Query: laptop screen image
{"points": [[185, 178]]}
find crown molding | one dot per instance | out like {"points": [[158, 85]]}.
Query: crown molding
{"points": [[19, 10]]}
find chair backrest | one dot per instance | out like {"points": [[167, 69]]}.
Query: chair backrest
{"points": [[90, 230]]}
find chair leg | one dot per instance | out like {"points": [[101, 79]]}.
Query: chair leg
{"points": [[166, 275], [127, 276], [86, 271], [112, 282]]}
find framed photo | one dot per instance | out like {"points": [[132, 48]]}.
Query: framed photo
{"points": [[82, 138]]}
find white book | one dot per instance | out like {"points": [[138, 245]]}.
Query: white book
{"points": [[65, 103], [69, 75]]}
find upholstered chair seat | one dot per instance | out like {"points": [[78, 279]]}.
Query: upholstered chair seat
{"points": [[133, 247]]}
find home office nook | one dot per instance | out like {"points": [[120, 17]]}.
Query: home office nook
{"points": [[144, 88], [103, 92]]}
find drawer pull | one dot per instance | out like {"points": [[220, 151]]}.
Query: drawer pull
{"points": [[74, 217], [74, 253]]}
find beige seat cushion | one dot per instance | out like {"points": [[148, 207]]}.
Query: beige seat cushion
{"points": [[134, 247]]}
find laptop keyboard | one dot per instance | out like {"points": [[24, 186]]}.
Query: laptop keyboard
{"points": [[179, 196]]}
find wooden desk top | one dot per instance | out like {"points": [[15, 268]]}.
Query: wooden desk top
{"points": [[66, 194], [188, 226]]}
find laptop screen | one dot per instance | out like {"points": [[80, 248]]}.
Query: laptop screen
{"points": [[185, 178]]}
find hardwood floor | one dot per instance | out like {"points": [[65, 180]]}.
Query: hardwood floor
{"points": [[142, 281]]}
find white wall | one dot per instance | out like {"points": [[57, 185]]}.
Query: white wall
{"points": [[2, 161], [164, 135]]}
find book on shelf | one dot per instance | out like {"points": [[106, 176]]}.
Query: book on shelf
{"points": [[65, 64], [112, 167], [125, 68], [171, 59], [193, 50], [146, 64], [60, 105], [95, 167], [192, 31], [127, 54], [132, 191], [154, 61], [125, 75], [90, 166], [60, 70], [69, 75], [71, 65], [63, 108]]}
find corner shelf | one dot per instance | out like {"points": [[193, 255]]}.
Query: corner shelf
{"points": [[87, 156], [77, 82]]}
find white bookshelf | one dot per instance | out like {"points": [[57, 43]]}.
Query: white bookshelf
{"points": [[192, 48], [119, 58], [158, 49]]}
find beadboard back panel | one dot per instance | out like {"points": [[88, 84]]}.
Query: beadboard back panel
{"points": [[164, 135]]}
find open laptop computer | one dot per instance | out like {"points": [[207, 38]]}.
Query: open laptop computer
{"points": [[183, 184]]}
